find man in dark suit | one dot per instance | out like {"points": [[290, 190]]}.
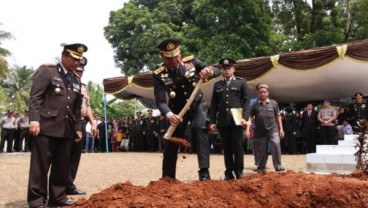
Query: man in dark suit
{"points": [[55, 110], [309, 127], [229, 95], [177, 78]]}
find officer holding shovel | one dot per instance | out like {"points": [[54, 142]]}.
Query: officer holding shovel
{"points": [[177, 78]]}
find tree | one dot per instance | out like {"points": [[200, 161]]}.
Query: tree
{"points": [[300, 25], [359, 21], [4, 70], [17, 87], [115, 109], [208, 29]]}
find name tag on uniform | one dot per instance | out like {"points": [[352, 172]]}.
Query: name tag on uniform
{"points": [[58, 79], [76, 87]]}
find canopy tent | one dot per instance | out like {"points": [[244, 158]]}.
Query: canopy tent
{"points": [[309, 75]]}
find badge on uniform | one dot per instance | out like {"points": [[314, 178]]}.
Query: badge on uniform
{"points": [[166, 79], [76, 87], [190, 72], [58, 79], [57, 89], [172, 94]]}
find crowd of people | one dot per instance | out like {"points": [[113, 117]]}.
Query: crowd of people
{"points": [[15, 132], [144, 133], [141, 134]]}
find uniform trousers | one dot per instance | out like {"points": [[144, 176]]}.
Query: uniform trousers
{"points": [[199, 132], [49, 151], [8, 136], [76, 154], [261, 145], [23, 134], [150, 141], [138, 142], [328, 134], [232, 140]]}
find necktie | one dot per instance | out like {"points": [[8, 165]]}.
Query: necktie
{"points": [[309, 113], [227, 81], [68, 77]]}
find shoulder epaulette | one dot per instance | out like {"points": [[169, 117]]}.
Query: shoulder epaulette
{"points": [[159, 70], [239, 78], [188, 58]]}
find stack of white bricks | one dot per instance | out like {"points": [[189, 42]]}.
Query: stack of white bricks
{"points": [[334, 158]]}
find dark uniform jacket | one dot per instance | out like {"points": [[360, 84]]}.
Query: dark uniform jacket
{"points": [[150, 125], [358, 111], [225, 97], [178, 84], [138, 126], [54, 104]]}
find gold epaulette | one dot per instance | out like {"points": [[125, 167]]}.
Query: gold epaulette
{"points": [[188, 58], [159, 70]]}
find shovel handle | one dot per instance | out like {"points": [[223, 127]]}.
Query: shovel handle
{"points": [[172, 128]]}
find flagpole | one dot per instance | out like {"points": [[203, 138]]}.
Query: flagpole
{"points": [[105, 115]]}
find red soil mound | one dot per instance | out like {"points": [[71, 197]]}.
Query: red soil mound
{"points": [[288, 189]]}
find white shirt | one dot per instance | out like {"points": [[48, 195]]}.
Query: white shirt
{"points": [[89, 128]]}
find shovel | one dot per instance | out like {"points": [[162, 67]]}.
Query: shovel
{"points": [[171, 129]]}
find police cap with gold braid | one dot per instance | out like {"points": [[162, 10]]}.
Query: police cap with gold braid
{"points": [[169, 47], [75, 50], [358, 95]]}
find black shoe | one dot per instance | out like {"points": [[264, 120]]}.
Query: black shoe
{"points": [[261, 171], [76, 192], [229, 176], [62, 204], [280, 169], [239, 175], [204, 175], [39, 206]]}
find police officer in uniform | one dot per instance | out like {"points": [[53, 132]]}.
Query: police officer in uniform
{"points": [[8, 127], [150, 129], [23, 125], [54, 107], [86, 116], [230, 93], [138, 128], [177, 78], [357, 111]]}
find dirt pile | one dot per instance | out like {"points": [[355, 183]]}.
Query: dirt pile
{"points": [[288, 189]]}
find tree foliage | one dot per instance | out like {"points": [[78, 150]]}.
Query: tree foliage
{"points": [[17, 88], [301, 24], [213, 29], [114, 108], [208, 29], [4, 70]]}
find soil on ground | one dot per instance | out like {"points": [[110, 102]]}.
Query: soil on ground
{"points": [[273, 189]]}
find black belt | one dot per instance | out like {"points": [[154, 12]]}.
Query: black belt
{"points": [[8, 129]]}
